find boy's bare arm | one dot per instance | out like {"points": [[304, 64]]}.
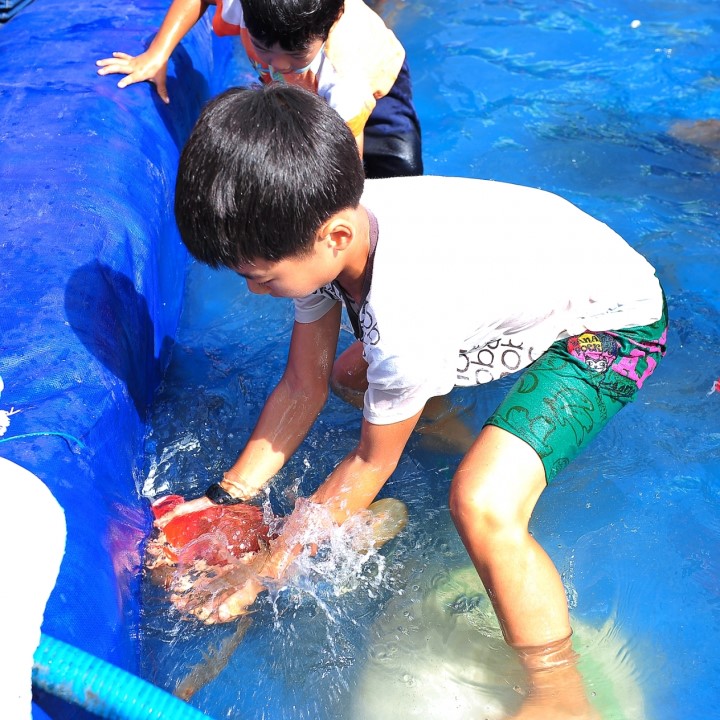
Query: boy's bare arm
{"points": [[151, 65], [354, 483], [289, 412], [292, 407]]}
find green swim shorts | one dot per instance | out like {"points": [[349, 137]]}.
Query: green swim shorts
{"points": [[570, 392]]}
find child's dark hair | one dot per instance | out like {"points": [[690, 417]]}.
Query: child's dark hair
{"points": [[263, 169], [292, 24]]}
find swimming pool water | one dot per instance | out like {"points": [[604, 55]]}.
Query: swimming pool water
{"points": [[594, 101]]}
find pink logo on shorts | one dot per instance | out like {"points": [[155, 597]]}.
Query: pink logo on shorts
{"points": [[597, 350]]}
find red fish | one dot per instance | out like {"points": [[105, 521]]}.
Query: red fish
{"points": [[210, 534]]}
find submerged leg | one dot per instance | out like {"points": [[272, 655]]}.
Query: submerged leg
{"points": [[440, 421], [348, 379], [492, 497], [442, 424]]}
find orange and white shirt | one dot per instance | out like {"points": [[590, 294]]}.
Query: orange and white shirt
{"points": [[357, 65]]}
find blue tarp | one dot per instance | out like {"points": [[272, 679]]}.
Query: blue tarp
{"points": [[91, 276]]}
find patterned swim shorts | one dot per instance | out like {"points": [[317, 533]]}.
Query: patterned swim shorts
{"points": [[569, 393]]}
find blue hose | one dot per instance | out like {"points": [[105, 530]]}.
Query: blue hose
{"points": [[102, 688]]}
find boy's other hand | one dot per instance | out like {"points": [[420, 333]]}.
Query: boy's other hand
{"points": [[137, 69], [218, 594]]}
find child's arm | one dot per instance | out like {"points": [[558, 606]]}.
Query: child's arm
{"points": [[353, 484], [152, 64], [289, 412], [292, 407]]}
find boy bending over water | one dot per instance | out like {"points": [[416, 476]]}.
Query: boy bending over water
{"points": [[339, 49], [447, 281]]}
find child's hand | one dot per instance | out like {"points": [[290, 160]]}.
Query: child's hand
{"points": [[137, 69], [217, 594]]}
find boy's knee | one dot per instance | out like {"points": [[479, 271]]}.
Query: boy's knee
{"points": [[336, 382], [341, 373], [343, 384], [476, 505], [348, 378]]}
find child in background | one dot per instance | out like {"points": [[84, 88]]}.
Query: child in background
{"points": [[339, 49], [447, 281]]}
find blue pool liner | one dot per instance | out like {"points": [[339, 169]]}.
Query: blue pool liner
{"points": [[91, 282]]}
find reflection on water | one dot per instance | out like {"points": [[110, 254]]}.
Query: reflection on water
{"points": [[613, 105], [443, 655]]}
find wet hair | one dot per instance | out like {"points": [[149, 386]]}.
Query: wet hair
{"points": [[292, 24], [263, 169]]}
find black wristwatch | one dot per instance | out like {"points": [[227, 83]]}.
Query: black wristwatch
{"points": [[218, 495]]}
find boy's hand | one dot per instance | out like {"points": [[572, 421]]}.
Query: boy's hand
{"points": [[218, 594], [137, 69]]}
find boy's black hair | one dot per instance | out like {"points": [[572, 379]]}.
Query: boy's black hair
{"points": [[292, 24], [263, 169]]}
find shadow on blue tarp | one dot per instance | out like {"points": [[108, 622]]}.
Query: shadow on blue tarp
{"points": [[113, 322], [90, 288]]}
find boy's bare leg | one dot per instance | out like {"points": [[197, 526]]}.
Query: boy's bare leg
{"points": [[492, 497], [349, 375], [439, 419], [442, 424]]}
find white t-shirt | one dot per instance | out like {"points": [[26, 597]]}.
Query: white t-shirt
{"points": [[475, 279]]}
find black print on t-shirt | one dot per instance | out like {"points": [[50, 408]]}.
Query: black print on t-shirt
{"points": [[492, 361], [329, 291], [368, 325]]}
